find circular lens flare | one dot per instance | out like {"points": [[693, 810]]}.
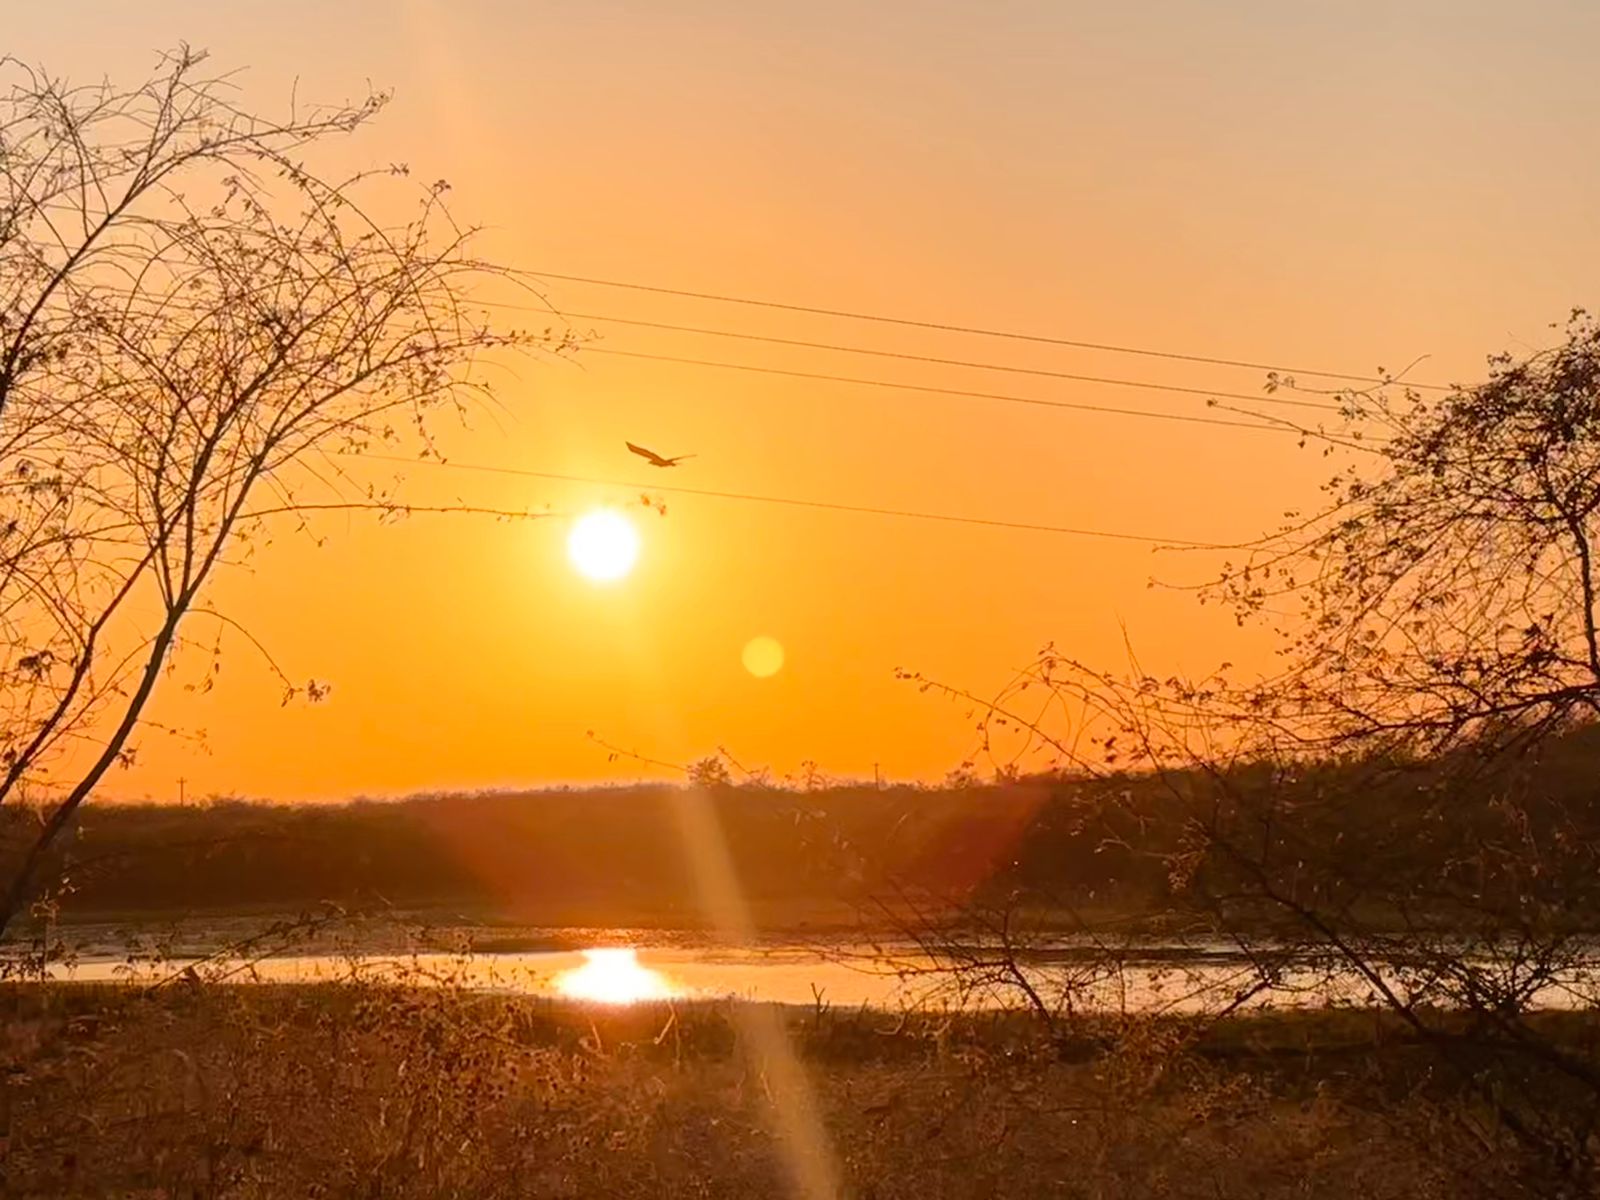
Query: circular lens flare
{"points": [[763, 656], [603, 546]]}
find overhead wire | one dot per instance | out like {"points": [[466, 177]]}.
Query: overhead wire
{"points": [[1002, 397], [799, 502], [1265, 424], [975, 330], [1009, 368]]}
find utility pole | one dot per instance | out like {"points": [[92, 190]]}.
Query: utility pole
{"points": [[181, 782], [877, 780]]}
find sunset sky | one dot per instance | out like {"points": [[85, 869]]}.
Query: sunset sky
{"points": [[1337, 186]]}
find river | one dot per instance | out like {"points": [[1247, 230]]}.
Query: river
{"points": [[629, 968]]}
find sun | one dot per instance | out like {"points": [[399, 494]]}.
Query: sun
{"points": [[603, 545]]}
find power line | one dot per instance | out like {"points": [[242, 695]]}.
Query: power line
{"points": [[980, 331], [942, 391], [1010, 368], [796, 502]]}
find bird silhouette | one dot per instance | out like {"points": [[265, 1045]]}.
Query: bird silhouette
{"points": [[654, 459]]}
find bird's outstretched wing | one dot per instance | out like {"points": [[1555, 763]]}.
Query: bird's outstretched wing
{"points": [[654, 459], [649, 455]]}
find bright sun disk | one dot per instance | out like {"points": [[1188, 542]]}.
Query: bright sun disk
{"points": [[603, 545]]}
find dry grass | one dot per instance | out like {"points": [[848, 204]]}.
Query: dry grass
{"points": [[365, 1091]]}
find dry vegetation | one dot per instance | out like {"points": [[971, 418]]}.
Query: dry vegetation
{"points": [[392, 1091]]}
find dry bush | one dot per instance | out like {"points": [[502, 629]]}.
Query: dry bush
{"points": [[369, 1089]]}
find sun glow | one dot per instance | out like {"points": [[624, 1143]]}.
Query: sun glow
{"points": [[613, 977], [603, 545]]}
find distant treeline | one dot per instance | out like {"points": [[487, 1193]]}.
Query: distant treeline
{"points": [[607, 855], [620, 855]]}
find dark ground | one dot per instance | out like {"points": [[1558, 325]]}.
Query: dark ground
{"points": [[355, 1091]]}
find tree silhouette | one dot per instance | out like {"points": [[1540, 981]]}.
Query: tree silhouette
{"points": [[1407, 803], [1449, 594], [192, 322]]}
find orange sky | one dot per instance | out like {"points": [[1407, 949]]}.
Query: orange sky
{"points": [[1340, 185]]}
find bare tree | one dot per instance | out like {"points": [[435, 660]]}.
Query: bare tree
{"points": [[1405, 812], [193, 324]]}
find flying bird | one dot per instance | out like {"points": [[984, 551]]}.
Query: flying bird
{"points": [[654, 459]]}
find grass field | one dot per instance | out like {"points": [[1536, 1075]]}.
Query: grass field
{"points": [[256, 1091]]}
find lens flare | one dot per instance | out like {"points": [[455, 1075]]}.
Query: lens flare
{"points": [[763, 656]]}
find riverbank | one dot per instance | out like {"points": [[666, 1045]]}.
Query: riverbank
{"points": [[374, 1090]]}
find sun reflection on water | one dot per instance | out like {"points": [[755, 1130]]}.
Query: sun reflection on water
{"points": [[613, 976]]}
